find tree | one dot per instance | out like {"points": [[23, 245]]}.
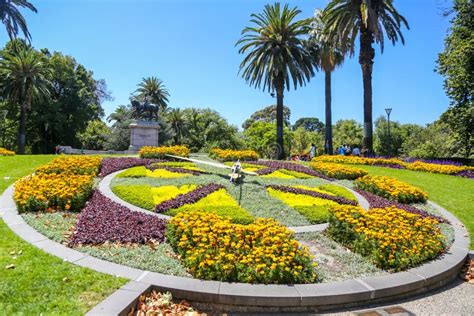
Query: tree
{"points": [[301, 140], [24, 78], [268, 114], [385, 144], [372, 20], [119, 138], [261, 137], [13, 19], [276, 56], [347, 132], [177, 120], [95, 136], [456, 64], [155, 90], [327, 56], [310, 124], [437, 142]]}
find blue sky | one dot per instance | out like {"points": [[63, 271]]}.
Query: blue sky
{"points": [[189, 44]]}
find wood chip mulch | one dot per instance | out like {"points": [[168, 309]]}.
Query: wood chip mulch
{"points": [[157, 304], [467, 273]]}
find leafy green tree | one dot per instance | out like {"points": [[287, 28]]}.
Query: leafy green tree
{"points": [[310, 124], [260, 136], [13, 19], [348, 132], [268, 114], [276, 56], [302, 139], [385, 144], [95, 136], [372, 20], [121, 118], [327, 56], [24, 78], [437, 142], [456, 64], [155, 90], [410, 134]]}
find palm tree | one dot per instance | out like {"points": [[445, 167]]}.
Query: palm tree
{"points": [[177, 120], [155, 90], [327, 56], [12, 19], [24, 78], [371, 20], [276, 56]]}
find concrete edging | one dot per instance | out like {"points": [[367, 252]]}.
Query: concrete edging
{"points": [[315, 296]]}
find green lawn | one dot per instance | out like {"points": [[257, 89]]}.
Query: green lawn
{"points": [[40, 283], [455, 194]]}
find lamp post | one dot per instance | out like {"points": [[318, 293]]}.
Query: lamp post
{"points": [[388, 111]]}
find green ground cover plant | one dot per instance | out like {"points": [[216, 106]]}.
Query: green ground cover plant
{"points": [[39, 283]]}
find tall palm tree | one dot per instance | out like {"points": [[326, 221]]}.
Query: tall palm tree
{"points": [[12, 19], [276, 56], [24, 78], [177, 120], [372, 20], [155, 90], [327, 56]]}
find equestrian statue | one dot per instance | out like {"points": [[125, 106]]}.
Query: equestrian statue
{"points": [[145, 111]]}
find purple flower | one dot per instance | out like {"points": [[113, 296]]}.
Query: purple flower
{"points": [[188, 198], [110, 165], [276, 165], [104, 220], [176, 169], [376, 201]]}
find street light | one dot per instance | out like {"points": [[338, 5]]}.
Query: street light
{"points": [[388, 111]]}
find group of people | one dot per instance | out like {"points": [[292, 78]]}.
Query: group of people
{"points": [[346, 150]]}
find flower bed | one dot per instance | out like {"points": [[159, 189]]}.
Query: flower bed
{"points": [[72, 165], [162, 151], [272, 166], [233, 155], [52, 192], [111, 165], [188, 198], [103, 220], [185, 169], [296, 190], [392, 238], [376, 201], [213, 248], [435, 168], [391, 189], [6, 152], [338, 171], [142, 171], [355, 160]]}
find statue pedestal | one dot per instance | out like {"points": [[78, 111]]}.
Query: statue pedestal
{"points": [[143, 133]]}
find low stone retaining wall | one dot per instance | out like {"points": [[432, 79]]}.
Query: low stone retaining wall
{"points": [[257, 297]]}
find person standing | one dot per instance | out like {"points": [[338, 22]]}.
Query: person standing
{"points": [[312, 152]]}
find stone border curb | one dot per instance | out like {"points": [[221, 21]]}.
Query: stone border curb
{"points": [[104, 188], [320, 296]]}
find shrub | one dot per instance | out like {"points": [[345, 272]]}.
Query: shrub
{"points": [[52, 192], [103, 220], [162, 151], [391, 189], [233, 155], [392, 238], [6, 152], [72, 165], [213, 248], [338, 171]]}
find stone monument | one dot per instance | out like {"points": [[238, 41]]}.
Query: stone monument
{"points": [[144, 129]]}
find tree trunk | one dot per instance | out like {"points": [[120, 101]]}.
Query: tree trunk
{"points": [[280, 150], [366, 61], [22, 129], [328, 128]]}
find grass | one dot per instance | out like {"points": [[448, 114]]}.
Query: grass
{"points": [[453, 193], [40, 283]]}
